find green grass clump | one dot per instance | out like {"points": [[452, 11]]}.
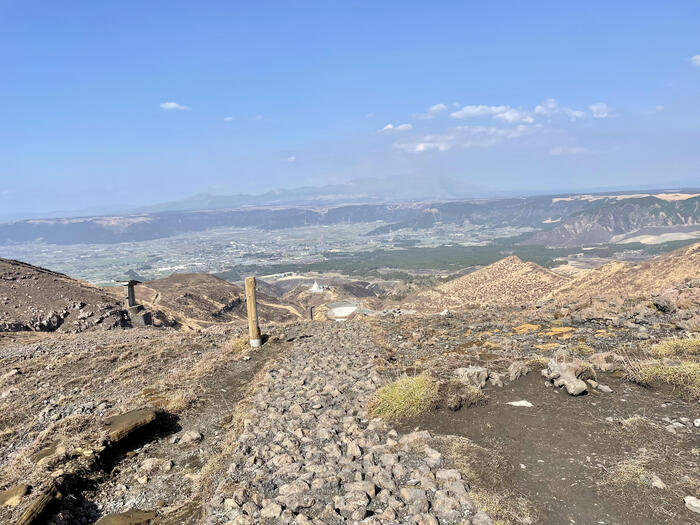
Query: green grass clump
{"points": [[685, 377], [677, 348], [406, 397]]}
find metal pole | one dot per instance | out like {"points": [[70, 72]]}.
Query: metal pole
{"points": [[253, 328]]}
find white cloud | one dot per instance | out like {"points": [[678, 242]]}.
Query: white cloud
{"points": [[659, 108], [432, 112], [228, 119], [478, 111], [463, 137], [257, 117], [291, 158], [695, 60], [515, 115], [505, 113], [568, 150], [168, 106], [369, 115], [390, 128], [599, 110], [551, 107]]}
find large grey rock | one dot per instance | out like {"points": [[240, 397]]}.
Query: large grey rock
{"points": [[566, 375], [473, 375]]}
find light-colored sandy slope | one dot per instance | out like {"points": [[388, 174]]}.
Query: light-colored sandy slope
{"points": [[508, 282], [621, 279], [512, 282]]}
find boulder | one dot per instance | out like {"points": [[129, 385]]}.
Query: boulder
{"points": [[473, 375], [566, 375]]}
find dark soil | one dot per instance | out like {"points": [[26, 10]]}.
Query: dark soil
{"points": [[564, 453]]}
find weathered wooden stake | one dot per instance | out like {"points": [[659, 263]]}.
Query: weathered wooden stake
{"points": [[253, 328]]}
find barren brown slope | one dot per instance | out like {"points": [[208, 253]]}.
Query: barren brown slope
{"points": [[621, 279], [204, 299], [36, 299], [508, 282]]}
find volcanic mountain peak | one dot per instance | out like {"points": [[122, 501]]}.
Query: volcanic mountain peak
{"points": [[508, 282]]}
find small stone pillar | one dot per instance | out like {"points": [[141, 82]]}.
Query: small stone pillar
{"points": [[130, 297]]}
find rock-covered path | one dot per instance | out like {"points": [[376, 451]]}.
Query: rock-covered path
{"points": [[309, 453]]}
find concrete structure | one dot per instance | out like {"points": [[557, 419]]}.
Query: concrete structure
{"points": [[138, 316]]}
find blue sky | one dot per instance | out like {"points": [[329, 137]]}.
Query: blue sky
{"points": [[530, 96]]}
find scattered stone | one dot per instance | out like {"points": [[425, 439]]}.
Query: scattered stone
{"points": [[517, 369], [473, 375], [131, 517], [124, 424], [12, 496], [191, 436], [521, 403], [692, 503]]}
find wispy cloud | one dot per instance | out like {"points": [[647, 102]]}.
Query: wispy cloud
{"points": [[228, 119], [432, 112], [551, 108], [463, 137], [169, 106], [478, 111], [599, 110], [695, 60], [257, 117], [568, 150], [390, 128], [547, 109], [291, 158]]}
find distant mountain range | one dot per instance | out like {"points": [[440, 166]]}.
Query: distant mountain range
{"points": [[561, 221], [388, 189]]}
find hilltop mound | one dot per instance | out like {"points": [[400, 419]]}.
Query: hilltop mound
{"points": [[201, 299], [36, 299], [622, 279], [508, 282]]}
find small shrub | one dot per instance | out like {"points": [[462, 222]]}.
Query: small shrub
{"points": [[406, 397]]}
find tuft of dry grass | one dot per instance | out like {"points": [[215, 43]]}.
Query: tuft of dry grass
{"points": [[472, 395], [537, 362], [170, 400], [626, 473], [685, 377], [405, 397], [237, 344], [680, 348], [583, 349]]}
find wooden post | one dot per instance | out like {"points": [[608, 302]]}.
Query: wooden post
{"points": [[253, 328]]}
